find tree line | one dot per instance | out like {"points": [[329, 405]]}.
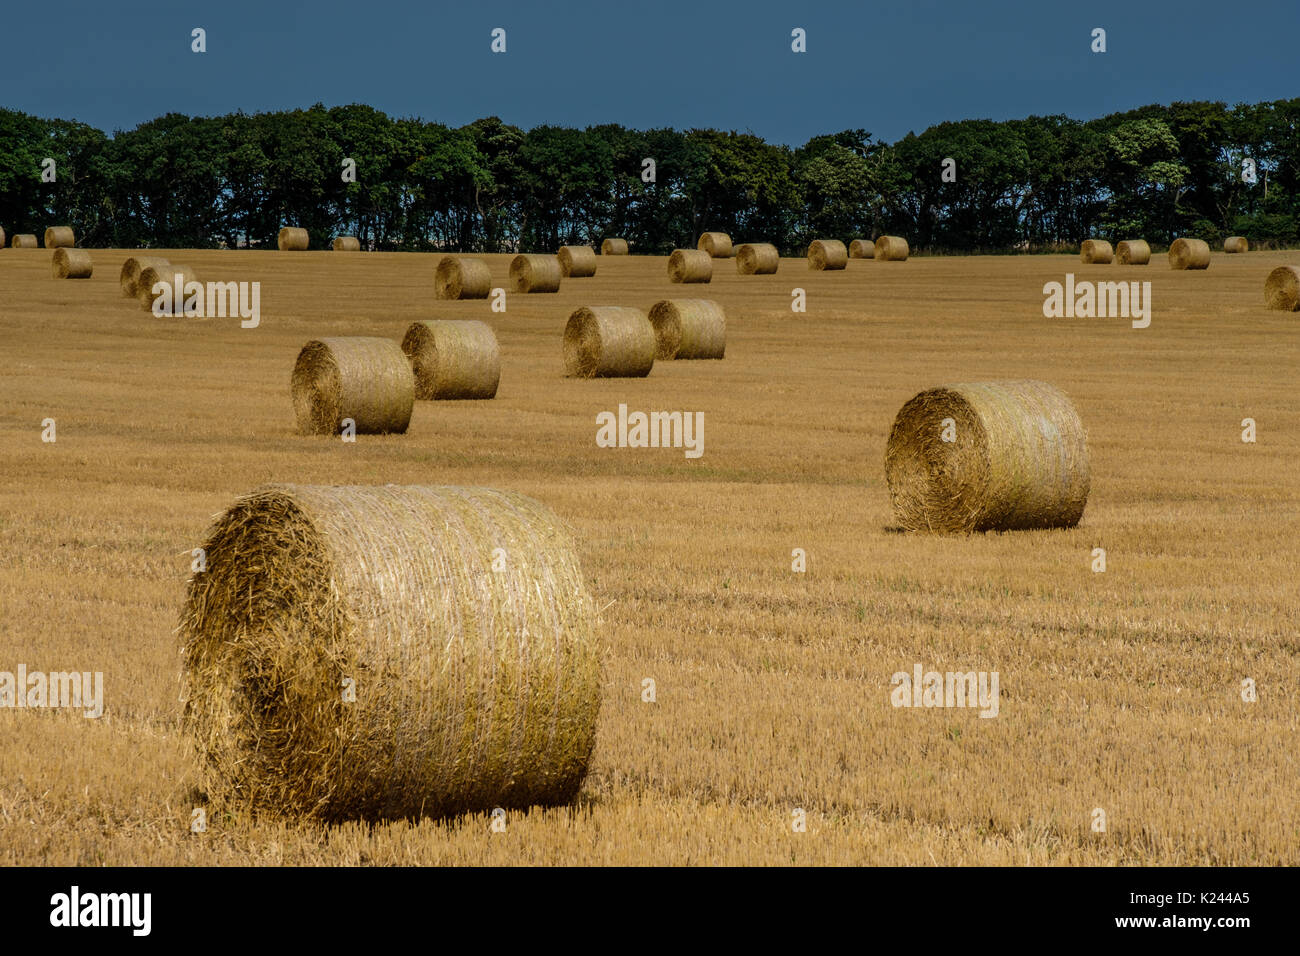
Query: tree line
{"points": [[1044, 182]]}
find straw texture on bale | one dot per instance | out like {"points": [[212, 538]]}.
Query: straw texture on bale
{"points": [[459, 278], [609, 341], [167, 272], [364, 378], [716, 244], [689, 329], [1019, 459], [862, 249], [1236, 244], [535, 274], [577, 261], [131, 269], [471, 686], [1282, 289], [826, 254], [757, 259], [613, 247], [453, 358], [1189, 254], [292, 239], [1133, 252], [346, 244], [1096, 251], [2, 238], [24, 241], [71, 264], [690, 265], [60, 237], [892, 249]]}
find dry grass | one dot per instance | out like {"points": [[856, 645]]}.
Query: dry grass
{"points": [[1133, 252]]}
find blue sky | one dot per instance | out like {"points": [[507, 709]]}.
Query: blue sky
{"points": [[888, 66]]}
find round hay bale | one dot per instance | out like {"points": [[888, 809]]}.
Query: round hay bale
{"points": [[757, 259], [535, 274], [827, 254], [364, 378], [613, 247], [292, 239], [357, 653], [166, 273], [690, 265], [892, 249], [71, 264], [862, 249], [609, 341], [2, 238], [453, 359], [1282, 289], [459, 278], [24, 241], [1096, 251], [1133, 252], [1018, 459], [1235, 244], [346, 244], [1189, 254], [577, 261], [131, 269], [60, 237], [716, 244], [689, 329]]}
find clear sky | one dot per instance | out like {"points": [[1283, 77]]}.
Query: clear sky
{"points": [[888, 66]]}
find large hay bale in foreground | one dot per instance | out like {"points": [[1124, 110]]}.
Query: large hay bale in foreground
{"points": [[690, 265], [613, 247], [175, 276], [346, 244], [364, 378], [460, 278], [453, 358], [1019, 459], [24, 241], [129, 278], [892, 249], [292, 239], [717, 245], [353, 653], [535, 274], [689, 329], [1234, 244], [1282, 289], [60, 237], [71, 264], [1096, 251], [1133, 252], [757, 259], [577, 261], [862, 249], [609, 341], [827, 254], [1189, 254]]}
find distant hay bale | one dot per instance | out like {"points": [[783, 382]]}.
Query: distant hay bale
{"points": [[690, 265], [357, 653], [364, 378], [1236, 244], [757, 259], [60, 237], [535, 274], [892, 249], [827, 254], [613, 247], [460, 278], [131, 269], [346, 244], [1096, 251], [1282, 289], [453, 359], [2, 238], [1018, 458], [1133, 252], [71, 264], [609, 342], [24, 241], [1189, 254], [577, 261], [292, 239], [716, 244], [166, 273], [689, 329], [862, 249]]}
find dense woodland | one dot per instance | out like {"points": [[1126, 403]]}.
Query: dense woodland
{"points": [[179, 181]]}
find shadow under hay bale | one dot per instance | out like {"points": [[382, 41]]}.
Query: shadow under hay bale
{"points": [[1189, 254], [60, 237], [292, 239], [453, 359], [578, 262], [690, 265], [462, 278], [148, 293], [862, 249], [71, 264], [129, 278], [613, 247], [609, 342], [346, 244], [827, 254], [535, 274], [1096, 252], [364, 378], [689, 329], [757, 259], [892, 249], [716, 245], [1133, 252], [1282, 289]]}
